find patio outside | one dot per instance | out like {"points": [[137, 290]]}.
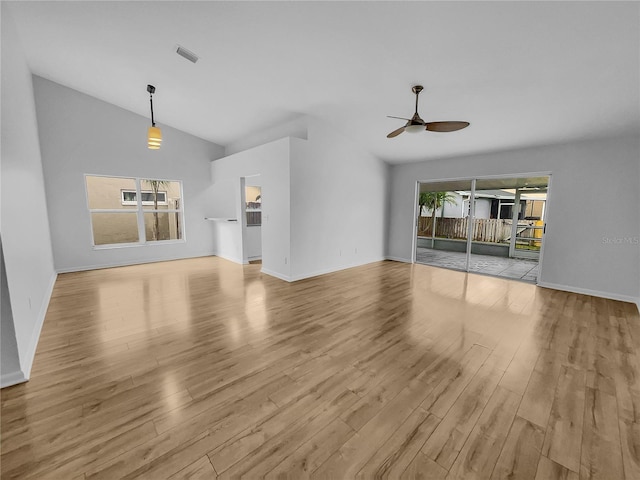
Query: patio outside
{"points": [[505, 225]]}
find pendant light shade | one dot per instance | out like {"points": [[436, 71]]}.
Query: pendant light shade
{"points": [[154, 136]]}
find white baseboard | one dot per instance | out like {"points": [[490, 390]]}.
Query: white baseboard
{"points": [[398, 259], [128, 263], [593, 293], [275, 274], [295, 278], [13, 378], [231, 259], [565, 288], [324, 271], [27, 363]]}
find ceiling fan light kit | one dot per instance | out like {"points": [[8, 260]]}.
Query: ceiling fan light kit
{"points": [[416, 124], [414, 128], [154, 135]]}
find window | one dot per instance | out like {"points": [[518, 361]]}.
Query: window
{"points": [[253, 207], [129, 197], [134, 211]]}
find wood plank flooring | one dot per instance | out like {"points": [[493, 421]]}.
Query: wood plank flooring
{"points": [[201, 368]]}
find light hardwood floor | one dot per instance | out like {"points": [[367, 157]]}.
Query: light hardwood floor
{"points": [[202, 368]]}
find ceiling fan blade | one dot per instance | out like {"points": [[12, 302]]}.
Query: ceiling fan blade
{"points": [[395, 133], [446, 126], [399, 118]]}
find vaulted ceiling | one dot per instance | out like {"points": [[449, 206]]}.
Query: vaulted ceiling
{"points": [[523, 73]]}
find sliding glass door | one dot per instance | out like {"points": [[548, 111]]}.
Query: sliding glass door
{"points": [[496, 227], [442, 224]]}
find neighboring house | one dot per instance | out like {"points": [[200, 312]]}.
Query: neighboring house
{"points": [[494, 204]]}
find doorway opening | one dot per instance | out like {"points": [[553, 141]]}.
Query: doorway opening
{"points": [[253, 219], [493, 226]]}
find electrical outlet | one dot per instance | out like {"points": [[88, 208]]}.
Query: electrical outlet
{"points": [[285, 260]]}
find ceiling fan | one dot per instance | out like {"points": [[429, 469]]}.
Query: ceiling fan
{"points": [[416, 124]]}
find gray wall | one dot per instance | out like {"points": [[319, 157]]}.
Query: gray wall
{"points": [[25, 229], [592, 211], [81, 135]]}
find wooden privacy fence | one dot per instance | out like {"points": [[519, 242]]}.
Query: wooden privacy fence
{"points": [[484, 229]]}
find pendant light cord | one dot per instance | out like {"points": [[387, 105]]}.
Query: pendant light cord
{"points": [[153, 123]]}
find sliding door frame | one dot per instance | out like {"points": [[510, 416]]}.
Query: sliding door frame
{"points": [[471, 213], [416, 218]]}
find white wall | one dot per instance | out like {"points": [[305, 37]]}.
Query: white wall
{"points": [[254, 242], [294, 127], [226, 226], [482, 208], [80, 134], [338, 203], [455, 210], [10, 371], [593, 202], [271, 162], [335, 203], [223, 198], [25, 228]]}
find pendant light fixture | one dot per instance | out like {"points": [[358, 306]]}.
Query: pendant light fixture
{"points": [[154, 138]]}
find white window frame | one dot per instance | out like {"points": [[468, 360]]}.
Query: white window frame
{"points": [[139, 211], [142, 192]]}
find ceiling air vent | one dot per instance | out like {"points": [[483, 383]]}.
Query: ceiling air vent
{"points": [[183, 52]]}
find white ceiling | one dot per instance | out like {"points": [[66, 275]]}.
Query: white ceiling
{"points": [[523, 74]]}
